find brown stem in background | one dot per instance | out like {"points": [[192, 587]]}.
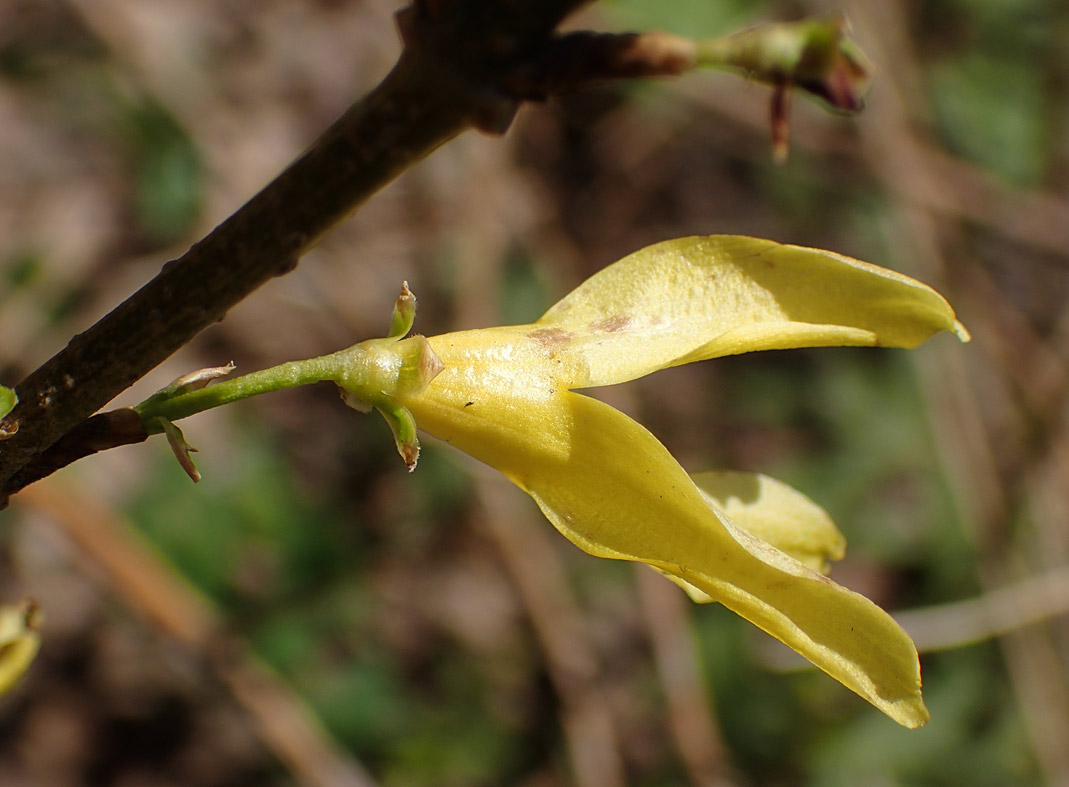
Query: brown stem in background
{"points": [[570, 657], [694, 729], [152, 591]]}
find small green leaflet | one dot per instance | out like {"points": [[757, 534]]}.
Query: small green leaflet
{"points": [[8, 400]]}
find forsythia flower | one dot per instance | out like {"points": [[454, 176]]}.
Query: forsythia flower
{"points": [[505, 396]]}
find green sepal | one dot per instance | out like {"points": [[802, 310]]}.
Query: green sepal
{"points": [[179, 447], [403, 426]]}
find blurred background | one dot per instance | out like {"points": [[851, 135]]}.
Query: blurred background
{"points": [[310, 613]]}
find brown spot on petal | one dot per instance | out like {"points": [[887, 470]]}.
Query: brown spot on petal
{"points": [[614, 324], [550, 338]]}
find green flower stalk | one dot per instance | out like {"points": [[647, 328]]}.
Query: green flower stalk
{"points": [[374, 374], [507, 396]]}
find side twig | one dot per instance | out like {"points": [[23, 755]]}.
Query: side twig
{"points": [[466, 64], [443, 84]]}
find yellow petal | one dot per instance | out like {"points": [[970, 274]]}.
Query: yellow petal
{"points": [[19, 642], [609, 486], [619, 494], [776, 513], [702, 297], [497, 396]]}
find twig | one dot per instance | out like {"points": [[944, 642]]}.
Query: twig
{"points": [[455, 54]]}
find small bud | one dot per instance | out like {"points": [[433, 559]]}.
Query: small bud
{"points": [[8, 400], [832, 67], [814, 55], [194, 381]]}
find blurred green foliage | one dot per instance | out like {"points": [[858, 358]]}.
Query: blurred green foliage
{"points": [[693, 18], [166, 172], [991, 109]]}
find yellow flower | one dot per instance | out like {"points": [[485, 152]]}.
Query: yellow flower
{"points": [[505, 396]]}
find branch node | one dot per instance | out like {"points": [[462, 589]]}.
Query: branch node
{"points": [[493, 115]]}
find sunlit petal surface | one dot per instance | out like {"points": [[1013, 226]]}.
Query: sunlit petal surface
{"points": [[702, 297]]}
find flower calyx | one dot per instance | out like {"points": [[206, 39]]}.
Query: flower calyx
{"points": [[384, 371]]}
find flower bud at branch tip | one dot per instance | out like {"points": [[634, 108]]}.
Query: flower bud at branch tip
{"points": [[815, 55]]}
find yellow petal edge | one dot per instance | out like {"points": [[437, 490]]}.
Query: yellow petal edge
{"points": [[697, 298]]}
